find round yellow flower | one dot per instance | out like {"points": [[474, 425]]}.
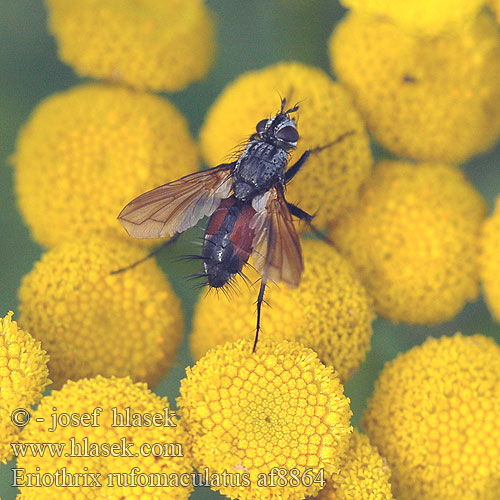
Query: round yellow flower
{"points": [[434, 417], [329, 181], [364, 474], [434, 98], [23, 378], [148, 45], [490, 261], [161, 449], [277, 408], [330, 312], [494, 5], [94, 323], [87, 152], [423, 16], [413, 238]]}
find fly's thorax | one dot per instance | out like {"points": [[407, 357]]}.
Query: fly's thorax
{"points": [[260, 167]]}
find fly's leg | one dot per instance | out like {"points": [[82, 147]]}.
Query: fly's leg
{"points": [[294, 169], [300, 214], [260, 300], [307, 218], [152, 254]]}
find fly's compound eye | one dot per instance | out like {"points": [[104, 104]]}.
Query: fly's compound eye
{"points": [[288, 134], [261, 126]]}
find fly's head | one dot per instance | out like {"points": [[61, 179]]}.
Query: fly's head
{"points": [[279, 130]]}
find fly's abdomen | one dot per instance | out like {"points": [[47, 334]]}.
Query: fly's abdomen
{"points": [[228, 241]]}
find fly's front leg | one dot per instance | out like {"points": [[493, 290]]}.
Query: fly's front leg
{"points": [[307, 218], [294, 169]]}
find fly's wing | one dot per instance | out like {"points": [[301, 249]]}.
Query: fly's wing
{"points": [[178, 205], [277, 255]]}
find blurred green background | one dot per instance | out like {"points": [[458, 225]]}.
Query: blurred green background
{"points": [[251, 35]]}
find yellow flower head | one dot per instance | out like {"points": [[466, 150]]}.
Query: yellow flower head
{"points": [[87, 152], [426, 17], [23, 378], [494, 5], [364, 474], [329, 181], [330, 312], [151, 44], [490, 261], [434, 417], [248, 413], [94, 323], [434, 98], [152, 463], [413, 238]]}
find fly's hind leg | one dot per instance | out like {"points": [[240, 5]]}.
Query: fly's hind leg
{"points": [[307, 218], [152, 254], [260, 300]]}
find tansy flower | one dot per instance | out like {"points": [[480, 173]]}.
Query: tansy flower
{"points": [[23, 378], [490, 261], [249, 413], [94, 323], [430, 98], [329, 182], [413, 238], [330, 312], [434, 417], [423, 16], [494, 5], [160, 448], [364, 474], [157, 45], [96, 147]]}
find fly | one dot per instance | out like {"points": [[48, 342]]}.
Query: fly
{"points": [[249, 215]]}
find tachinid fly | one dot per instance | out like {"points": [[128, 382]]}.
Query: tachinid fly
{"points": [[246, 205]]}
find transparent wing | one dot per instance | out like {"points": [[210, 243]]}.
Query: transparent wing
{"points": [[178, 205], [277, 254]]}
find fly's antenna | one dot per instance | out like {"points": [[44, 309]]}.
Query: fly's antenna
{"points": [[298, 103], [288, 111], [282, 99], [294, 109], [283, 104]]}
